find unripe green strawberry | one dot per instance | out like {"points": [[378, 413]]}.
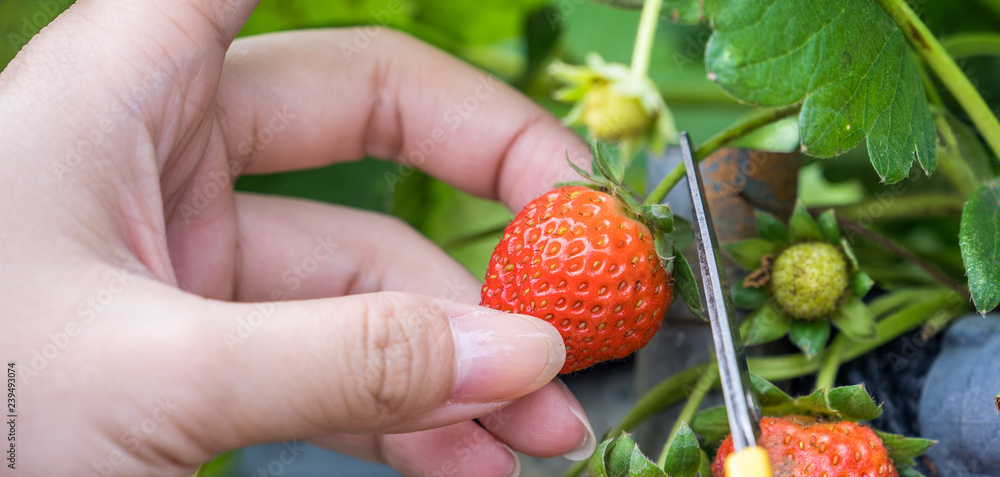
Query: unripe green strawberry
{"points": [[800, 446], [808, 280], [612, 116], [574, 258]]}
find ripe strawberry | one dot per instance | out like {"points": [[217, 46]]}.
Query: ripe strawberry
{"points": [[809, 279], [575, 258], [801, 446]]}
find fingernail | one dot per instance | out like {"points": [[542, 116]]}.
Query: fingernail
{"points": [[501, 356], [586, 447], [515, 468]]}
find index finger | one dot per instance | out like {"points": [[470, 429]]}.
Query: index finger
{"points": [[306, 99]]}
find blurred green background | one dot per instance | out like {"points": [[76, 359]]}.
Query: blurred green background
{"points": [[514, 40]]}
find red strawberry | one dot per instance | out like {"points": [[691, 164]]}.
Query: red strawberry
{"points": [[801, 446], [575, 258]]}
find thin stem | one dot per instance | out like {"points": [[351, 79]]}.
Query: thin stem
{"points": [[943, 302], [705, 383], [644, 37], [916, 206], [950, 161], [746, 126], [827, 375], [905, 254], [945, 68], [963, 45]]}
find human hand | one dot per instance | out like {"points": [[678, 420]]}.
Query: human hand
{"points": [[157, 318]]}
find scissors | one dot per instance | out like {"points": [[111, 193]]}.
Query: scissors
{"points": [[747, 459]]}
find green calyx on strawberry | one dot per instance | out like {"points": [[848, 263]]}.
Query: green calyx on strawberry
{"points": [[817, 435], [803, 278], [582, 258]]}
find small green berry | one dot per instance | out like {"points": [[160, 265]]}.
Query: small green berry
{"points": [[611, 116], [808, 280]]}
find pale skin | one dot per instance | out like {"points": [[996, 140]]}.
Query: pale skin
{"points": [[157, 318]]}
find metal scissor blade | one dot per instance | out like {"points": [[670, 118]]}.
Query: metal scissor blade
{"points": [[744, 414]]}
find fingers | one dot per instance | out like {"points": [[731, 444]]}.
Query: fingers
{"points": [[303, 99], [545, 423], [460, 449], [296, 249], [375, 363]]}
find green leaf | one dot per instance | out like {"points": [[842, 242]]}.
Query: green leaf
{"points": [[712, 424], [683, 233], [684, 455], [586, 174], [705, 469], [597, 464], [910, 473], [853, 403], [684, 281], [626, 460], [845, 61], [852, 260], [619, 461], [764, 325], [828, 225], [611, 165], [861, 283], [802, 226], [748, 297], [854, 319], [815, 404], [659, 217], [768, 395], [748, 252], [903, 449], [771, 228], [979, 239], [809, 336]]}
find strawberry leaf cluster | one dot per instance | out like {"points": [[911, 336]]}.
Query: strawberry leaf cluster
{"points": [[803, 277]]}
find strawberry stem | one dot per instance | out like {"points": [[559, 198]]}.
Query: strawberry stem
{"points": [[705, 383], [644, 37], [831, 364], [746, 126]]}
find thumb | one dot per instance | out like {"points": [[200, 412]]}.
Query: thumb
{"points": [[373, 363]]}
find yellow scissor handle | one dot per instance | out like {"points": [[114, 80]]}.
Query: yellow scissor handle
{"points": [[749, 462]]}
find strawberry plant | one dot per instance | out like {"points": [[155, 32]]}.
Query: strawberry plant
{"points": [[890, 107]]}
